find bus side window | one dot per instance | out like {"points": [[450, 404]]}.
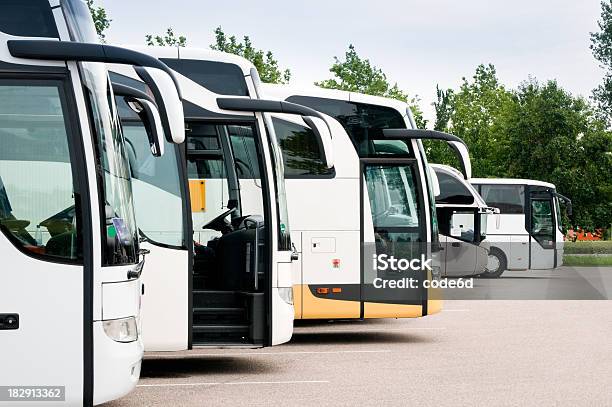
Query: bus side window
{"points": [[37, 199], [510, 199], [301, 152]]}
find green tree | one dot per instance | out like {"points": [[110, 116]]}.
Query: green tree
{"points": [[169, 39], [264, 61], [436, 151], [476, 115], [355, 74], [552, 136], [601, 45], [100, 18]]}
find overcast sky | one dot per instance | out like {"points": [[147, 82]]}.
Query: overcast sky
{"points": [[417, 43]]}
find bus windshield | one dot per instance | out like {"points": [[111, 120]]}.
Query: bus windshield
{"points": [[117, 210]]}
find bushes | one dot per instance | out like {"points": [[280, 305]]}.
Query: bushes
{"points": [[599, 247]]}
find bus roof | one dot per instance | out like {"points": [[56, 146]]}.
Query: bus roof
{"points": [[200, 54], [511, 181], [286, 91]]}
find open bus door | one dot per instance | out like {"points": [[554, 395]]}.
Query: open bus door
{"points": [[540, 221], [393, 234]]}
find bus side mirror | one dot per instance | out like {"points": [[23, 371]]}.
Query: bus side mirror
{"points": [[168, 102], [152, 122], [324, 138]]}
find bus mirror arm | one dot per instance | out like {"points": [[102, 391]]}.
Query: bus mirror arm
{"points": [[157, 75], [324, 139], [146, 109], [458, 145], [136, 272], [50, 50]]}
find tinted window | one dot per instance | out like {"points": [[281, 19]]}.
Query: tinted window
{"points": [[37, 191], [203, 139], [508, 198], [28, 18], [363, 123], [218, 77], [245, 151], [452, 191], [542, 228], [302, 154]]}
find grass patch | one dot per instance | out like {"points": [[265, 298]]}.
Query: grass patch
{"points": [[587, 261], [601, 247]]}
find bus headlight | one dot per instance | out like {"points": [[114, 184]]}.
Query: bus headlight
{"points": [[286, 293], [121, 330]]}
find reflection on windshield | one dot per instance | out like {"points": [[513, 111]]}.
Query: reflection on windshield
{"points": [[121, 243], [284, 232], [392, 199], [157, 192]]}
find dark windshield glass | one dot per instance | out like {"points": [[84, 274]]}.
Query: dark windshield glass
{"points": [[363, 123], [452, 191], [218, 77], [509, 199], [33, 18]]}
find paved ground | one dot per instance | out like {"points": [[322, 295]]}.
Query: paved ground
{"points": [[473, 353], [563, 283]]}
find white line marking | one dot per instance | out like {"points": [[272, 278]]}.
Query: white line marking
{"points": [[455, 310], [232, 383]]}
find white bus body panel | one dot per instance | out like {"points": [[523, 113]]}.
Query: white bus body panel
{"points": [[49, 300], [165, 303], [111, 382]]}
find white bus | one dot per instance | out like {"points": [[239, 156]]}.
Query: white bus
{"points": [[225, 192], [378, 200], [70, 291], [528, 233], [463, 217]]}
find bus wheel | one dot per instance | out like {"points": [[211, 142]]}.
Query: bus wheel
{"points": [[496, 264]]}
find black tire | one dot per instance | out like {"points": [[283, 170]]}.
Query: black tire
{"points": [[497, 258]]}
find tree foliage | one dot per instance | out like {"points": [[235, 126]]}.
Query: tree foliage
{"points": [[601, 45], [475, 113], [537, 131], [100, 18], [264, 61], [355, 74], [552, 136], [169, 39]]}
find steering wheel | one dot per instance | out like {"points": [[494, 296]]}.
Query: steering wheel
{"points": [[219, 223]]}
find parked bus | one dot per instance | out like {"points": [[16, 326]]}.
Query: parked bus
{"points": [[225, 192], [528, 234], [70, 292], [378, 200], [463, 217]]}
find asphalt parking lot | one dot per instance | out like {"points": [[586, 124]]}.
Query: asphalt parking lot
{"points": [[476, 352]]}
